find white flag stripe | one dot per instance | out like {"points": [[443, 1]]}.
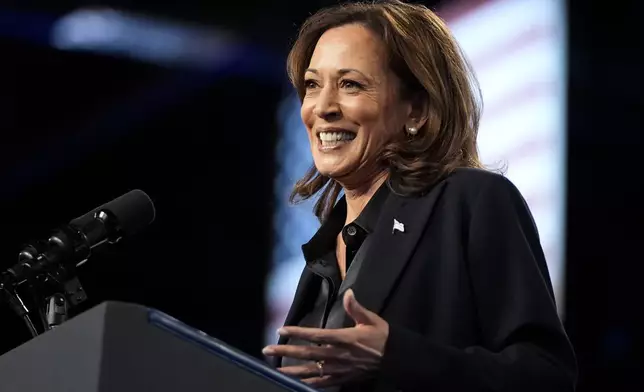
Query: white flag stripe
{"points": [[512, 48], [520, 95], [499, 135], [496, 22]]}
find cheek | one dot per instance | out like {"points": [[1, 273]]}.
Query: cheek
{"points": [[393, 121], [366, 113], [306, 113], [379, 124]]}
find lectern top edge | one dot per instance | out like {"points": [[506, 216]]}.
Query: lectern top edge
{"points": [[224, 351]]}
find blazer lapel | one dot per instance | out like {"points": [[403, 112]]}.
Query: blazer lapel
{"points": [[399, 228], [303, 293]]}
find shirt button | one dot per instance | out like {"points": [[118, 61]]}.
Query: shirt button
{"points": [[351, 230]]}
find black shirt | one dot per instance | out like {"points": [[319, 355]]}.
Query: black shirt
{"points": [[327, 310]]}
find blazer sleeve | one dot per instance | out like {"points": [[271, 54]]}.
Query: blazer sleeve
{"points": [[523, 343]]}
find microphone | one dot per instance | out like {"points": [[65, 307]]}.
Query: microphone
{"points": [[71, 245]]}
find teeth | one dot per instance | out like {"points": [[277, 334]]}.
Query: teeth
{"points": [[336, 136]]}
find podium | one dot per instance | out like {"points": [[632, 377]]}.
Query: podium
{"points": [[121, 347]]}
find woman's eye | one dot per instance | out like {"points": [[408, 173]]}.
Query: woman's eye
{"points": [[309, 84], [350, 84]]}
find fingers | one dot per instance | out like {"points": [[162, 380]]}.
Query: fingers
{"points": [[314, 353], [312, 371], [302, 371], [321, 382], [318, 335]]}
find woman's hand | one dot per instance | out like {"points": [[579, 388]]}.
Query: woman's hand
{"points": [[343, 355]]}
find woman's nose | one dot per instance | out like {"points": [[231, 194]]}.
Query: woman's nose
{"points": [[327, 105]]}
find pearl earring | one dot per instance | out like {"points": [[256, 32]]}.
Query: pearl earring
{"points": [[412, 131]]}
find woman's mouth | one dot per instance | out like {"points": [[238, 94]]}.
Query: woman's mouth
{"points": [[334, 139]]}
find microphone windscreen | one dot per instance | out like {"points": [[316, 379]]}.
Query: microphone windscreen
{"points": [[133, 211]]}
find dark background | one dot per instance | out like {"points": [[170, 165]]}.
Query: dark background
{"points": [[81, 129]]}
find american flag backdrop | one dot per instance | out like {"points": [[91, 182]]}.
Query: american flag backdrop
{"points": [[517, 49]]}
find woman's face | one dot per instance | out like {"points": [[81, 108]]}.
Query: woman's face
{"points": [[352, 105]]}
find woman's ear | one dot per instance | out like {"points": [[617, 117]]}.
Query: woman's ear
{"points": [[419, 112]]}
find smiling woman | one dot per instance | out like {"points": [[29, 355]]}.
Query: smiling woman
{"points": [[428, 273]]}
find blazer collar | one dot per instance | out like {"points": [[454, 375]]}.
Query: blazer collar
{"points": [[324, 239]]}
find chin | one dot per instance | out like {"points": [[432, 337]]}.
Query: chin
{"points": [[334, 165], [328, 172], [331, 171]]}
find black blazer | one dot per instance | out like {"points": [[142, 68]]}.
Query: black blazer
{"points": [[466, 292]]}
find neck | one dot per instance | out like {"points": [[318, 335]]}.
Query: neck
{"points": [[358, 197]]}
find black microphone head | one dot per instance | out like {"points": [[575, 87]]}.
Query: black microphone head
{"points": [[133, 211]]}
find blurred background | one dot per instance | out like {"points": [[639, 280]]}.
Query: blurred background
{"points": [[190, 103]]}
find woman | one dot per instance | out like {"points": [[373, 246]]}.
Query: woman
{"points": [[428, 274]]}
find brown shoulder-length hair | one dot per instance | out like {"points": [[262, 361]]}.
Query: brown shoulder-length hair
{"points": [[428, 61]]}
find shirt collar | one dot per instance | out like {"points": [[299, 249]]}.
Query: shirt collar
{"points": [[324, 239]]}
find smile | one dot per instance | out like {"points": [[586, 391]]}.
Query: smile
{"points": [[335, 138]]}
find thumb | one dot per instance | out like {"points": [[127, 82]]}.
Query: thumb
{"points": [[358, 313]]}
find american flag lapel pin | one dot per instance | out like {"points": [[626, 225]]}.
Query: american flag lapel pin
{"points": [[398, 226]]}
